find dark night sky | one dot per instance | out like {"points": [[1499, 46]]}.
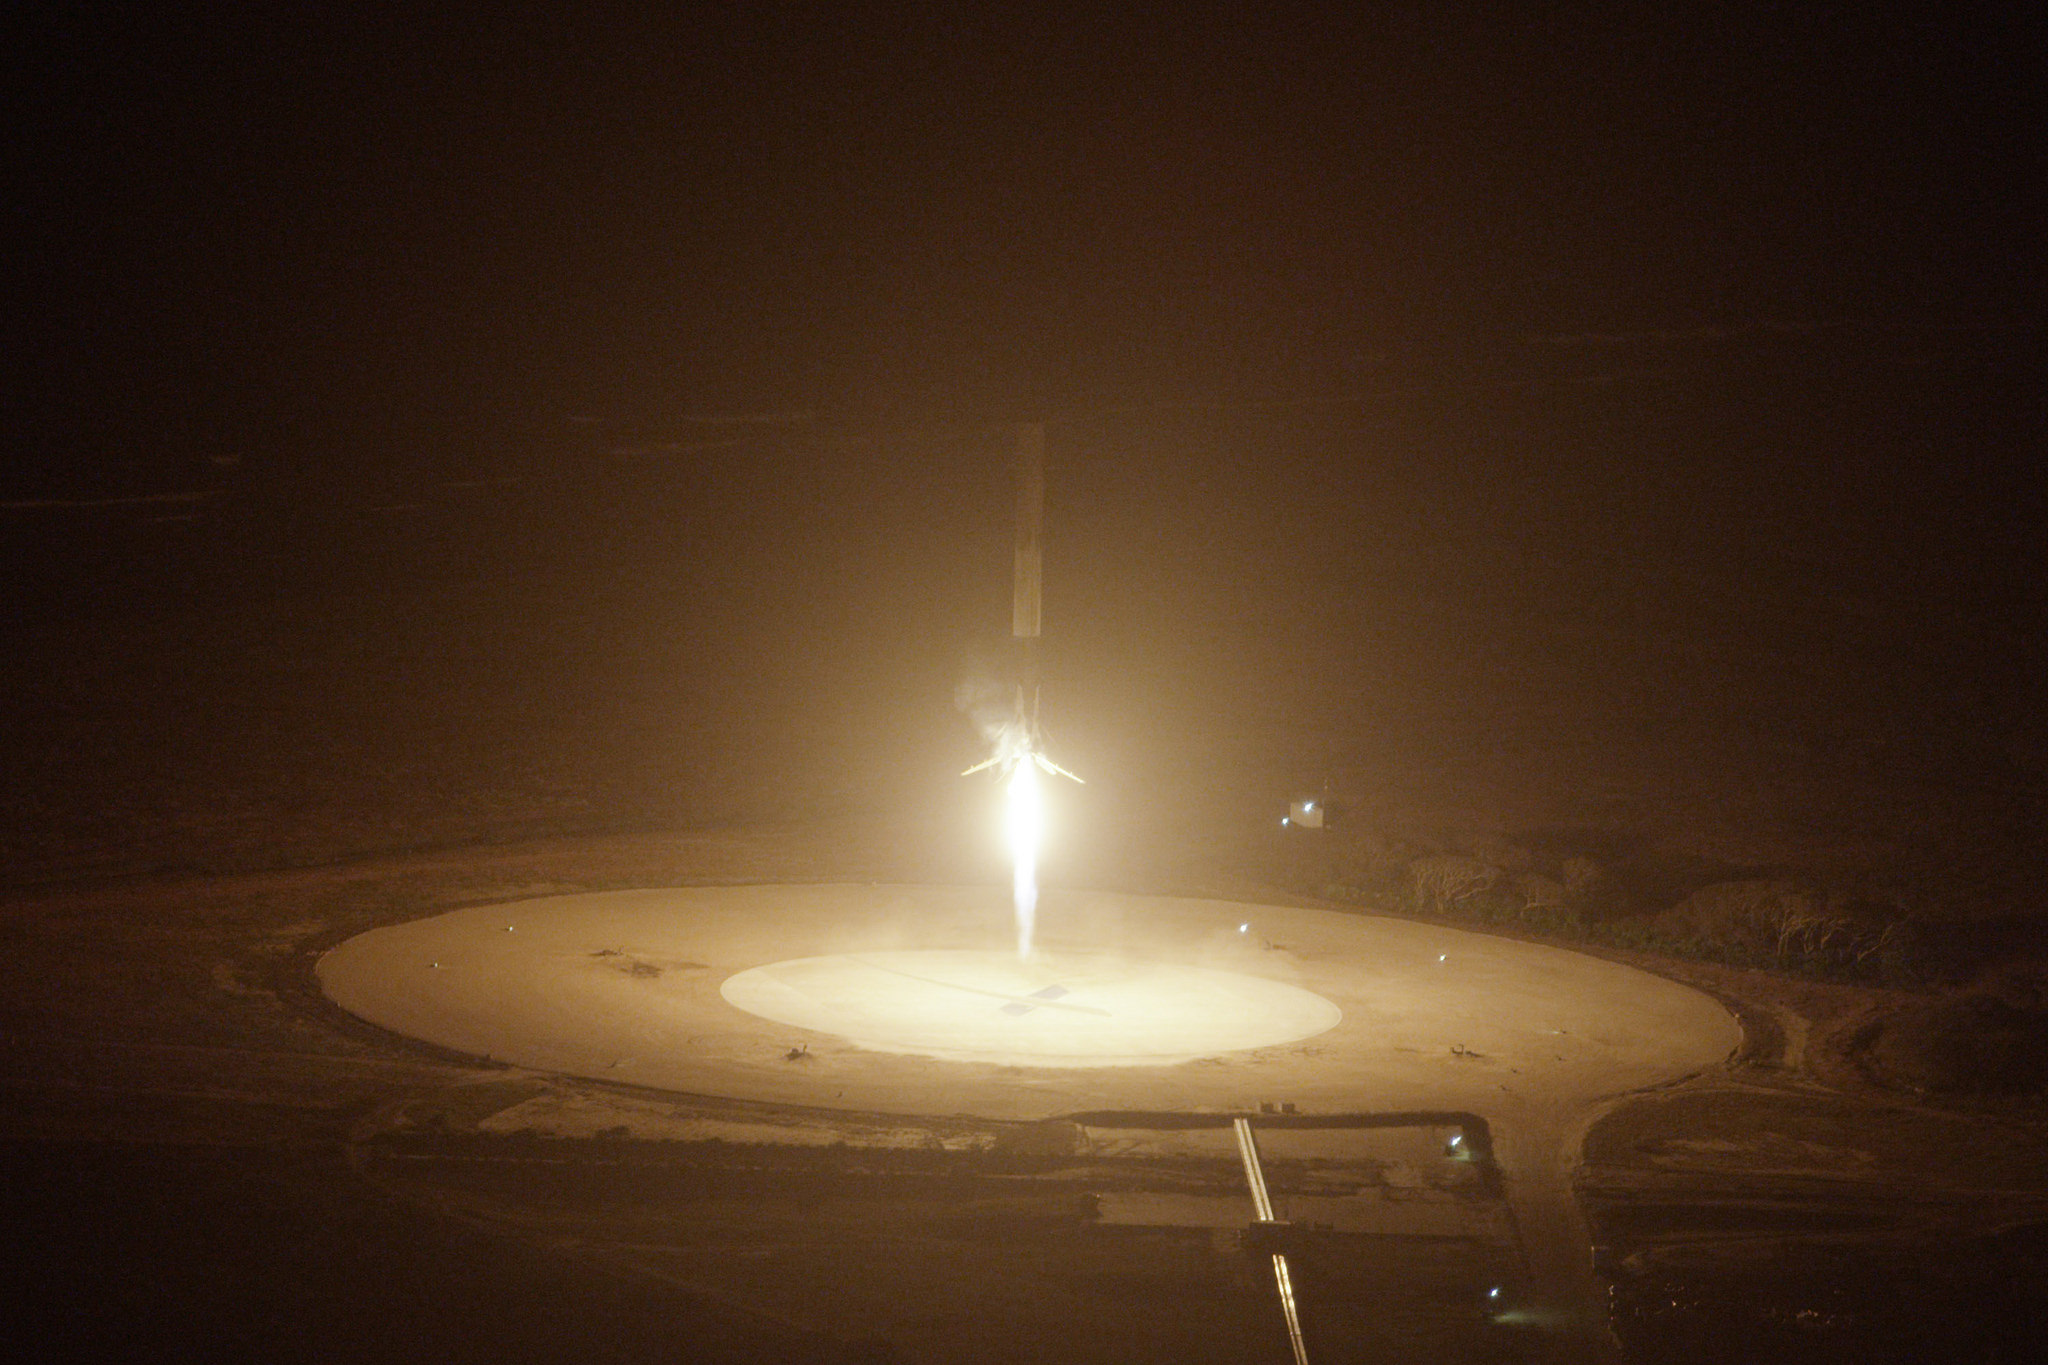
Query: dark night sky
{"points": [[324, 232], [1418, 374]]}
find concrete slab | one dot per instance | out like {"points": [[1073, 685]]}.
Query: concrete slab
{"points": [[906, 999], [1056, 1009]]}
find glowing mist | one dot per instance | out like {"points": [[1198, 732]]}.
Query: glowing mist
{"points": [[1027, 828]]}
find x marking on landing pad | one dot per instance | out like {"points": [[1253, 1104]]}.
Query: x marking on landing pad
{"points": [[1025, 1006], [1046, 998]]}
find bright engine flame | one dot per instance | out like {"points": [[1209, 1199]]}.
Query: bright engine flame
{"points": [[1026, 821]]}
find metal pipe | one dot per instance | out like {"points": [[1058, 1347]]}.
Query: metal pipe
{"points": [[1024, 614], [1262, 1208], [1286, 1286], [1248, 1148]]}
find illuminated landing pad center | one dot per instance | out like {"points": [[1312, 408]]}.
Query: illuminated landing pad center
{"points": [[1055, 1010]]}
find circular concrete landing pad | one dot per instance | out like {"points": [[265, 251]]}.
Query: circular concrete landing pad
{"points": [[1058, 1009], [910, 1000]]}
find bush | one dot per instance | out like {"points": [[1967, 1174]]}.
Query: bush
{"points": [[1793, 927], [1759, 922], [1447, 881]]}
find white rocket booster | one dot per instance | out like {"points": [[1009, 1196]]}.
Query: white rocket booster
{"points": [[1024, 613], [1020, 741]]}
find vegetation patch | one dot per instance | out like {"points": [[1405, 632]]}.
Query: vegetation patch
{"points": [[1681, 907]]}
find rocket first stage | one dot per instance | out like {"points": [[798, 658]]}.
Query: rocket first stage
{"points": [[1021, 738]]}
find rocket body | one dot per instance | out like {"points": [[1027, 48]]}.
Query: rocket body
{"points": [[1024, 613], [1029, 566], [1017, 751]]}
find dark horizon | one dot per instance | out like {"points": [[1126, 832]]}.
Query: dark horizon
{"points": [[348, 239]]}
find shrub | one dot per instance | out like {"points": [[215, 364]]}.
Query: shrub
{"points": [[1536, 889], [1447, 881], [1793, 927]]}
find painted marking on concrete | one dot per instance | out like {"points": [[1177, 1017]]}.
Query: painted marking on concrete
{"points": [[1048, 1002], [1024, 1007]]}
